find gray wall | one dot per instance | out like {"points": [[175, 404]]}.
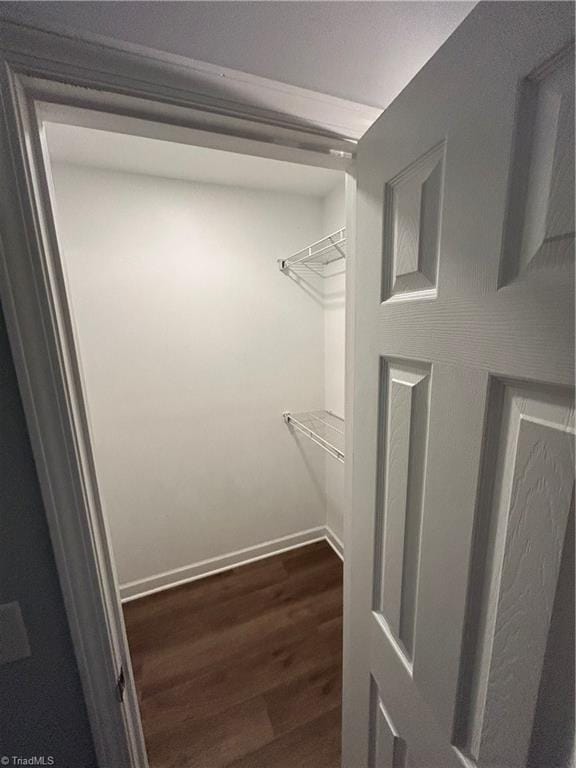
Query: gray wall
{"points": [[41, 704], [366, 52]]}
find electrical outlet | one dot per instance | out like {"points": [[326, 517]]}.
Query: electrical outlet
{"points": [[14, 643]]}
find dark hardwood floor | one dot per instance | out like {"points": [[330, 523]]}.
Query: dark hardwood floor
{"points": [[243, 669]]}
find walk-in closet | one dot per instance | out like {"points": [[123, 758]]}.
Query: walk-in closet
{"points": [[207, 294], [287, 385]]}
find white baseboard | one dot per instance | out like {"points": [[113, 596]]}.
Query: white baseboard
{"points": [[148, 586], [334, 542]]}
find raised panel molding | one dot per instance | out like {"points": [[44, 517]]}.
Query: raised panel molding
{"points": [[526, 498], [403, 440], [388, 749], [540, 220], [412, 214]]}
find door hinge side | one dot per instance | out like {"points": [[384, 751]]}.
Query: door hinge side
{"points": [[120, 685]]}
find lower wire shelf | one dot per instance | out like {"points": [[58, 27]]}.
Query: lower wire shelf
{"points": [[322, 427]]}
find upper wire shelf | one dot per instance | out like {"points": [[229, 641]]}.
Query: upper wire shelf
{"points": [[319, 254], [322, 427]]}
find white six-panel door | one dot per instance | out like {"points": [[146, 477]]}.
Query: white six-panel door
{"points": [[463, 420]]}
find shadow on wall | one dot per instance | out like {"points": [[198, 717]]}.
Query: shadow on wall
{"points": [[42, 710]]}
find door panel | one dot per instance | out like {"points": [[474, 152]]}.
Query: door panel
{"points": [[463, 415], [540, 226], [412, 206], [456, 424], [529, 497], [388, 748], [404, 407]]}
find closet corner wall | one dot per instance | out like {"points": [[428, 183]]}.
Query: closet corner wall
{"points": [[324, 262], [334, 216]]}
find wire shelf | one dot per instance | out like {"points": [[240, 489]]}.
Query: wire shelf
{"points": [[317, 255], [322, 427]]}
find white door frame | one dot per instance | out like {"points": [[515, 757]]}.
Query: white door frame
{"points": [[51, 77]]}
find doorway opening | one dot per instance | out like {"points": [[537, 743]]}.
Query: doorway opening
{"points": [[207, 293]]}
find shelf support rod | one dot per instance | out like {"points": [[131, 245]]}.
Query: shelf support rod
{"points": [[316, 438]]}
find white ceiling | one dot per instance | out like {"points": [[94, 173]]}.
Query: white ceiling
{"points": [[153, 157], [361, 51]]}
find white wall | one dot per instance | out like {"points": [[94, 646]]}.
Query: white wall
{"points": [[333, 218], [193, 344]]}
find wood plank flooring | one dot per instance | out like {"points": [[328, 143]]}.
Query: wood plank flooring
{"points": [[243, 669]]}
